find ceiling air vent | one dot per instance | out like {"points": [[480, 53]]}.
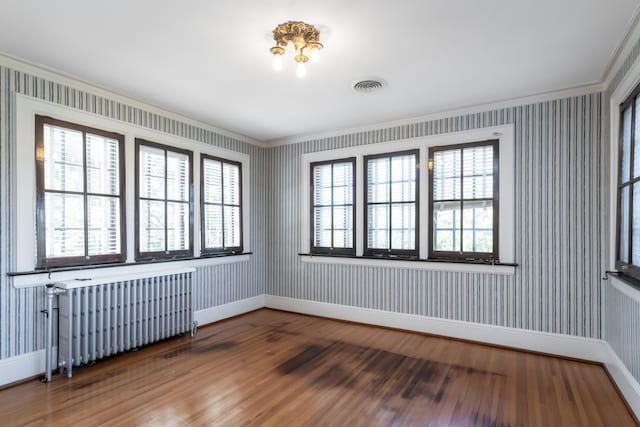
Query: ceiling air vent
{"points": [[369, 85]]}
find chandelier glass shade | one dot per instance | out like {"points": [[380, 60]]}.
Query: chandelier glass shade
{"points": [[304, 41]]}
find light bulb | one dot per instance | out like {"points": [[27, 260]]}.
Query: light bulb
{"points": [[277, 62], [315, 55], [301, 70]]}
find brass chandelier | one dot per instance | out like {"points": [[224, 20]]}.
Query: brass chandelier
{"points": [[303, 38]]}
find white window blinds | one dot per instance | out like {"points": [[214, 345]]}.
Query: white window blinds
{"points": [[164, 188], [221, 205], [81, 191]]}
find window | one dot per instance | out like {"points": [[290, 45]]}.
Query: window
{"points": [[463, 201], [80, 194], [221, 195], [164, 198], [332, 207], [628, 229], [391, 204]]}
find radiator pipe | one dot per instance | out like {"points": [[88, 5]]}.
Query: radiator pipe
{"points": [[52, 291]]}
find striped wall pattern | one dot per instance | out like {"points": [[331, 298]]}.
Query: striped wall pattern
{"points": [[621, 313], [21, 324], [558, 172], [622, 317]]}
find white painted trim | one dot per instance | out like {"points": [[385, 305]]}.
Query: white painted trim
{"points": [[24, 202], [624, 288], [626, 86], [472, 109], [111, 278], [48, 73], [224, 311], [561, 345], [24, 366], [504, 133], [412, 265], [622, 50], [125, 271], [627, 384]]}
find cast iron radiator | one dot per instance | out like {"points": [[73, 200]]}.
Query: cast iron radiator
{"points": [[102, 319]]}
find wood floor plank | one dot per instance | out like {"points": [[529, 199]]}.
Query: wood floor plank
{"points": [[275, 368]]}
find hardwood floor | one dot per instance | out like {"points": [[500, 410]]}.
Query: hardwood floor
{"points": [[282, 369]]}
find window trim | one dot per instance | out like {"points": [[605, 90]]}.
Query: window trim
{"points": [[41, 259], [158, 255], [392, 253], [205, 251], [462, 255], [627, 267], [324, 250]]}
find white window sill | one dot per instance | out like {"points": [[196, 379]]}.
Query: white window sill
{"points": [[464, 267], [33, 279], [623, 286]]}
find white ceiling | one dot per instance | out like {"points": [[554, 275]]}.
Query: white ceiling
{"points": [[210, 59]]}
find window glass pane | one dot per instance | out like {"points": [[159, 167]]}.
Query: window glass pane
{"points": [[231, 226], [635, 249], [478, 172], [403, 226], [177, 176], [446, 174], [378, 180], [152, 173], [64, 234], [231, 184], [152, 225], [343, 227], [446, 226], [103, 225], [636, 143], [626, 145], [177, 226], [322, 185], [103, 172], [322, 227], [624, 224], [213, 226], [212, 181], [63, 159], [378, 227], [403, 178], [477, 220], [342, 183]]}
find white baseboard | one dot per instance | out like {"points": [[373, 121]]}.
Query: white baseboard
{"points": [[561, 345], [627, 384], [20, 367], [224, 311]]}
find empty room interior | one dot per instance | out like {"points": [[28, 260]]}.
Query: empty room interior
{"points": [[320, 213]]}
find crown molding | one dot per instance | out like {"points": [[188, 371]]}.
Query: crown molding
{"points": [[48, 73], [622, 50], [471, 109]]}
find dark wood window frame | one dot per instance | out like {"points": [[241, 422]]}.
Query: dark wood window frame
{"points": [[159, 255], [462, 255], [224, 249], [389, 252], [42, 260], [627, 268], [333, 250]]}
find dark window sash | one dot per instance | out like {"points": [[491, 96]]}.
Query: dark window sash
{"points": [[465, 255], [333, 250], [165, 254], [203, 229], [42, 260], [389, 251]]}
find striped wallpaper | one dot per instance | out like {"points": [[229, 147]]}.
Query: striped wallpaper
{"points": [[621, 320], [21, 324], [621, 313], [556, 288]]}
